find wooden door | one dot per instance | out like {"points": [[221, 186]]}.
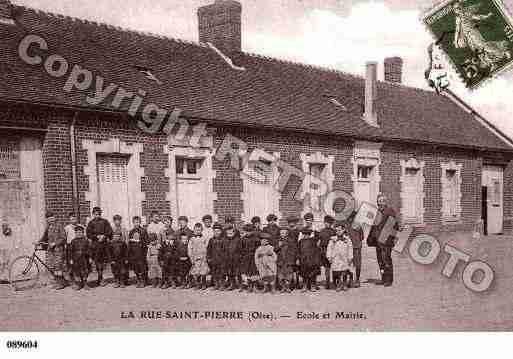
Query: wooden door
{"points": [[493, 180], [21, 197], [113, 187]]}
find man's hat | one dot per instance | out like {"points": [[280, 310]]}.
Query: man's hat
{"points": [[78, 228], [329, 219], [217, 226], [206, 217], [271, 217], [97, 210], [307, 216], [256, 219], [183, 218]]}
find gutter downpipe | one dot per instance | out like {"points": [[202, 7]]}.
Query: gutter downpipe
{"points": [[74, 180]]}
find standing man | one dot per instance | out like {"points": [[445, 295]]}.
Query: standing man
{"points": [[55, 239], [385, 242], [99, 233]]}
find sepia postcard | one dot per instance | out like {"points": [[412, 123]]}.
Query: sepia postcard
{"points": [[285, 166]]}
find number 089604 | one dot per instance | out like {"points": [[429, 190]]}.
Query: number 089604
{"points": [[22, 344]]}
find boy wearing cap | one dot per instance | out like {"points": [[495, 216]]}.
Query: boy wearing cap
{"points": [[183, 226], [55, 238], [249, 244], [232, 244], [137, 240], [287, 255], [183, 262], [309, 254], [265, 260], [99, 233], [216, 257], [118, 254], [272, 229], [80, 258], [340, 255], [69, 229], [167, 261], [324, 238], [197, 251], [293, 226], [257, 223], [119, 230]]}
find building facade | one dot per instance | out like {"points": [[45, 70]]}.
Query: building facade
{"points": [[442, 166]]}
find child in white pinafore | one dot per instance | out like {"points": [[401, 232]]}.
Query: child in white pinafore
{"points": [[197, 251], [340, 255]]}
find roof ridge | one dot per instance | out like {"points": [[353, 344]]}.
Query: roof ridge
{"points": [[110, 26], [336, 71], [302, 64]]}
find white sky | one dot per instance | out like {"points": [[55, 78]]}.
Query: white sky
{"points": [[341, 34]]}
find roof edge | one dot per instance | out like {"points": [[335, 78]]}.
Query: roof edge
{"points": [[478, 117], [223, 123]]}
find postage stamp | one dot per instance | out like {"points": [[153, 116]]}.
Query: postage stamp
{"points": [[475, 35]]}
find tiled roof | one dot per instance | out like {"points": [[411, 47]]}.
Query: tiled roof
{"points": [[269, 93]]}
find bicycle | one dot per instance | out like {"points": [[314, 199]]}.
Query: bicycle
{"points": [[24, 270]]}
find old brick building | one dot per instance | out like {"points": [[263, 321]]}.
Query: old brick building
{"points": [[443, 166]]}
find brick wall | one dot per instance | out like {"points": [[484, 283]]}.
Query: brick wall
{"points": [[103, 127], [228, 184], [390, 170]]}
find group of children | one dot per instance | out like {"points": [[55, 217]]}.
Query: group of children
{"points": [[224, 257]]}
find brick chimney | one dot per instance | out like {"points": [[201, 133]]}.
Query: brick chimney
{"points": [[220, 24], [6, 12], [393, 69], [371, 91]]}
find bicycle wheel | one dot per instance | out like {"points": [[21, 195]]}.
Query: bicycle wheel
{"points": [[23, 273]]}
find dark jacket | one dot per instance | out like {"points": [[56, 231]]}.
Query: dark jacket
{"points": [[216, 253], [249, 245], [167, 254], [287, 253], [185, 230], [98, 226], [274, 231], [309, 253], [118, 251], [294, 233], [374, 234], [54, 238], [136, 250], [324, 239], [80, 248], [182, 261], [233, 250]]}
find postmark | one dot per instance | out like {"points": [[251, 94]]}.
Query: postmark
{"points": [[476, 36]]}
